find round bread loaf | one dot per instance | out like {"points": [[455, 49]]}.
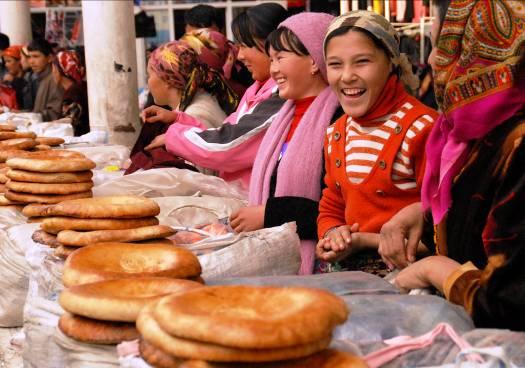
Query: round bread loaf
{"points": [[44, 198], [152, 332], [14, 135], [159, 358], [81, 239], [92, 331], [108, 207], [7, 154], [51, 164], [120, 300], [46, 188], [49, 141], [7, 128], [3, 178], [17, 143], [50, 178], [251, 317], [55, 225], [37, 210], [110, 261], [40, 236]]}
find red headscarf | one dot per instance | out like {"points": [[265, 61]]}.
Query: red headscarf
{"points": [[13, 51], [68, 63]]}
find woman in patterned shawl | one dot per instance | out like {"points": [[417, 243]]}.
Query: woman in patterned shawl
{"points": [[179, 78], [474, 186]]}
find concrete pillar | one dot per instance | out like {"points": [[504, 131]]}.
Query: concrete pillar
{"points": [[142, 79], [15, 21], [111, 63]]}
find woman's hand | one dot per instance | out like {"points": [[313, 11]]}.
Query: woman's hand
{"points": [[155, 114], [337, 243], [430, 271], [400, 237], [248, 218], [158, 141]]}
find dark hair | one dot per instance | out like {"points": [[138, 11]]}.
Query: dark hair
{"points": [[282, 39], [442, 7], [41, 45], [203, 16], [4, 41], [343, 30], [257, 23]]}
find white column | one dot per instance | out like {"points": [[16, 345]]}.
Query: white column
{"points": [[344, 6], [15, 21], [141, 62], [111, 62]]}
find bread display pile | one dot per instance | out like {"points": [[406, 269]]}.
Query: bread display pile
{"points": [[47, 176], [104, 312], [81, 222], [239, 324]]}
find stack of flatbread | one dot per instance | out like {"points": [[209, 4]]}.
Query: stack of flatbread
{"points": [[81, 222], [46, 176], [105, 312], [239, 324]]}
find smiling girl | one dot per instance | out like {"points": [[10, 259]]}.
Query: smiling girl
{"points": [[374, 154]]}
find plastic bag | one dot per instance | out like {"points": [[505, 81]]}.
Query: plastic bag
{"points": [[169, 182], [11, 216], [14, 271], [104, 155]]}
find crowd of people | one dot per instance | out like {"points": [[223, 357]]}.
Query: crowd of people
{"points": [[38, 78], [330, 135]]}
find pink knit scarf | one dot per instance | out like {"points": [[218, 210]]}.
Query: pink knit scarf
{"points": [[300, 168]]}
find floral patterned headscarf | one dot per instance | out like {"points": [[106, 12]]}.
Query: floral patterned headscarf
{"points": [[179, 66], [69, 65], [13, 51]]}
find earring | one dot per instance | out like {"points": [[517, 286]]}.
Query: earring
{"points": [[314, 72]]}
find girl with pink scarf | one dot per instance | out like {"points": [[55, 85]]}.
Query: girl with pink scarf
{"points": [[286, 179]]}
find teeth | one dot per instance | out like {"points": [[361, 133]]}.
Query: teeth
{"points": [[281, 80], [352, 91]]}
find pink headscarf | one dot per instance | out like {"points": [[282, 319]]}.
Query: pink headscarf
{"points": [[477, 88], [300, 169], [69, 65]]}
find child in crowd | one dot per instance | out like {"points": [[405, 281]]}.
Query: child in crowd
{"points": [[178, 78], [288, 170], [231, 149], [374, 154], [48, 99]]}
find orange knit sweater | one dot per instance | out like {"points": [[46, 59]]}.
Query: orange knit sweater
{"points": [[376, 199]]}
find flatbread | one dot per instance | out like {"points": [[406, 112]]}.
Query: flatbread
{"points": [[2, 188], [14, 135], [63, 251], [110, 261], [96, 332], [36, 210], [156, 357], [120, 300], [41, 147], [46, 188], [248, 317], [44, 198], [55, 225], [81, 239], [3, 178], [108, 207], [7, 128], [11, 153], [17, 143], [50, 141], [40, 236], [152, 332], [7, 202], [51, 178], [51, 164]]}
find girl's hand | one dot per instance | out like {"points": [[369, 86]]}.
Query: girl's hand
{"points": [[248, 218], [155, 114], [337, 243], [430, 271], [159, 141]]}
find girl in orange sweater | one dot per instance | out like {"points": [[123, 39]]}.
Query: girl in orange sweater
{"points": [[374, 154]]}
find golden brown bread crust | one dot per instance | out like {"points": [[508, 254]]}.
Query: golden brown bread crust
{"points": [[108, 207], [44, 198], [51, 164], [63, 251], [2, 188], [81, 239], [152, 332], [7, 154], [51, 178], [121, 299], [7, 127], [4, 201], [49, 141], [110, 261], [252, 317], [17, 144], [41, 147], [3, 178], [46, 188], [36, 210], [157, 357], [14, 135], [54, 225], [96, 332], [40, 236]]}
